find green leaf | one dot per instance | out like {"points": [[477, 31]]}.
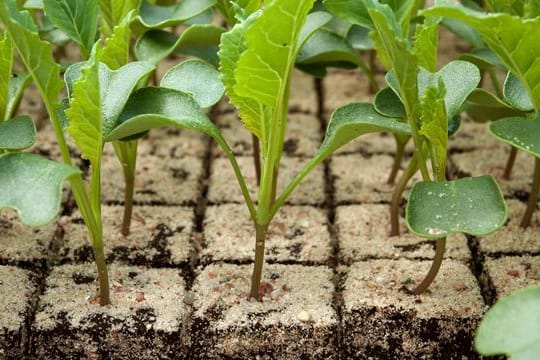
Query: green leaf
{"points": [[36, 55], [159, 17], [116, 51], [465, 32], [17, 84], [326, 49], [474, 206], [149, 108], [387, 103], [434, 127], [113, 12], [32, 185], [359, 38], [355, 119], [77, 18], [231, 47], [6, 61], [483, 58], [17, 133], [84, 113], [425, 45], [482, 106], [156, 45], [516, 94], [314, 21], [512, 326], [230, 14], [520, 132], [513, 39], [353, 11], [197, 78]]}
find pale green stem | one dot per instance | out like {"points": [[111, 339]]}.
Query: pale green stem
{"points": [[398, 193], [126, 152], [398, 159]]}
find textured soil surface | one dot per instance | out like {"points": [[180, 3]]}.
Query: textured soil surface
{"points": [[334, 283]]}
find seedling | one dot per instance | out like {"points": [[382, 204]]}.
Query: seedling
{"points": [[514, 40], [512, 326], [428, 100]]}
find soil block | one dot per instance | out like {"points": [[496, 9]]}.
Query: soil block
{"points": [[363, 230], [510, 273], [159, 236], [224, 187], [297, 234], [145, 321], [16, 289], [294, 319], [22, 244], [303, 136], [382, 321]]}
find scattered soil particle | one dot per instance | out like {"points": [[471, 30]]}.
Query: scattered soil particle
{"points": [[510, 273]]}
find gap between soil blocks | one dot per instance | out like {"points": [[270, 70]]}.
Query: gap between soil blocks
{"points": [[333, 279]]}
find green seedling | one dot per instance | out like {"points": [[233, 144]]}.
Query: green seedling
{"points": [[428, 101], [512, 326], [514, 40]]}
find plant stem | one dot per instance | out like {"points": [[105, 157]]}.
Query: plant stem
{"points": [[533, 196], [256, 157], [510, 163], [400, 151], [371, 71], [435, 266], [260, 237], [126, 152], [397, 194]]}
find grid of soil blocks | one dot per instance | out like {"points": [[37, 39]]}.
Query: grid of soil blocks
{"points": [[333, 285]]}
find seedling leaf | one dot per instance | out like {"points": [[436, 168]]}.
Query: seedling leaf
{"points": [[113, 12], [520, 132], [512, 326], [32, 185], [483, 106], [156, 45], [17, 85], [77, 18], [314, 21], [116, 51], [387, 103], [516, 94], [159, 17], [198, 78], [6, 61], [474, 206], [17, 133]]}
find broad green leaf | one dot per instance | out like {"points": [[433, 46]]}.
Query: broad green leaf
{"points": [[482, 106], [198, 78], [483, 58], [516, 94], [113, 12], [77, 18], [17, 85], [36, 55], [32, 185], [513, 39], [434, 127], [314, 21], [152, 107], [425, 45], [512, 326], [263, 69], [84, 112], [116, 51], [6, 61], [231, 47], [353, 11], [387, 103], [231, 14], [473, 206], [159, 17], [359, 38], [17, 133], [355, 119], [156, 45], [326, 49], [520, 132]]}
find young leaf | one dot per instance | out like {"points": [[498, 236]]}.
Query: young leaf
{"points": [[387, 103], [156, 45], [17, 133], [17, 85], [425, 45], [520, 132], [113, 12], [198, 78], [116, 51], [512, 326], [159, 17], [6, 60], [353, 11], [483, 106], [314, 21], [513, 39], [434, 127], [516, 94], [32, 185], [36, 55], [77, 18], [474, 206]]}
